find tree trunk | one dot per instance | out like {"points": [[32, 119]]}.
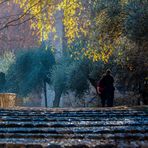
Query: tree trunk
{"points": [[45, 94], [56, 101]]}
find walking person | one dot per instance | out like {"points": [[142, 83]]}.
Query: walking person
{"points": [[101, 91], [106, 89]]}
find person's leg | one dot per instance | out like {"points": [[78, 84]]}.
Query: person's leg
{"points": [[110, 99], [103, 100]]}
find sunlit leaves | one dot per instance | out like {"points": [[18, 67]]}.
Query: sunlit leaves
{"points": [[44, 13], [101, 23], [72, 19], [41, 14]]}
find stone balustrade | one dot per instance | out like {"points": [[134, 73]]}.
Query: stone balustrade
{"points": [[7, 100]]}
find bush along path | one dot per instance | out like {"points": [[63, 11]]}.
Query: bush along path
{"points": [[78, 128]]}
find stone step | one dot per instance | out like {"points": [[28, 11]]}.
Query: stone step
{"points": [[131, 112], [73, 124], [74, 110], [70, 119], [138, 136], [81, 128], [72, 143], [72, 116]]}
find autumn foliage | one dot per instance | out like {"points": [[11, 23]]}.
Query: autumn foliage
{"points": [[104, 26]]}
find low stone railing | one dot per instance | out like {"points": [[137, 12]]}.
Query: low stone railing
{"points": [[7, 100]]}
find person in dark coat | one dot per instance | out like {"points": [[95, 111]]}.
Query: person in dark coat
{"points": [[106, 89], [101, 91]]}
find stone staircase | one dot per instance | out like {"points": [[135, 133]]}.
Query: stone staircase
{"points": [[73, 128]]}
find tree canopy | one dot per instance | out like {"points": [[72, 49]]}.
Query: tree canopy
{"points": [[104, 27], [103, 24], [29, 71]]}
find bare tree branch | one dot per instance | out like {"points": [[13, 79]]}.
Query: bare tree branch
{"points": [[19, 18], [4, 1], [7, 17], [11, 23]]}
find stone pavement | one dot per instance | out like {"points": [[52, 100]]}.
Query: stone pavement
{"points": [[74, 128]]}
